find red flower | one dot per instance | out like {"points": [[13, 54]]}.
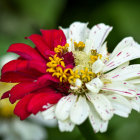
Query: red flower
{"points": [[35, 87]]}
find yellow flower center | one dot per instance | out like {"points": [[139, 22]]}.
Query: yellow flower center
{"points": [[83, 63]]}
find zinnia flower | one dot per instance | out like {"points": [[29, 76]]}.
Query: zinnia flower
{"points": [[35, 87], [72, 77]]}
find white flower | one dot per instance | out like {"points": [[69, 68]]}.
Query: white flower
{"points": [[113, 89], [14, 129]]}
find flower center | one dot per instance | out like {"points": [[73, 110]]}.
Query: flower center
{"points": [[83, 64]]}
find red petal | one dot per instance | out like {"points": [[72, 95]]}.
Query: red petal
{"points": [[53, 38], [47, 79], [5, 95], [23, 66], [20, 90], [16, 77], [21, 107], [25, 51], [40, 44], [38, 101]]}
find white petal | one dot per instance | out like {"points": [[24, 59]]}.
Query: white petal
{"points": [[125, 51], [63, 107], [49, 114], [78, 83], [97, 123], [125, 73], [134, 81], [94, 85], [79, 111], [66, 31], [121, 87], [27, 130], [121, 105], [71, 45], [66, 125], [103, 51], [117, 70], [97, 66], [135, 103], [98, 35], [102, 105], [78, 31]]}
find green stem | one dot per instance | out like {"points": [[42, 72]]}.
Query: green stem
{"points": [[87, 131]]}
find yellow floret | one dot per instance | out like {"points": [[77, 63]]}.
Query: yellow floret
{"points": [[73, 76], [79, 45], [87, 75]]}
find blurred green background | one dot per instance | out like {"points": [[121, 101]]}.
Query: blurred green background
{"points": [[21, 18]]}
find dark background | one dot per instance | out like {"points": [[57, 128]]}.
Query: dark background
{"points": [[21, 18]]}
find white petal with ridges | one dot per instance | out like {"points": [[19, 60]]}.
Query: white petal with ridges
{"points": [[129, 72], [125, 51], [79, 111], [66, 125], [78, 31], [63, 107], [121, 105], [102, 105], [97, 66], [97, 123], [98, 34], [116, 70], [121, 87], [49, 114], [94, 85]]}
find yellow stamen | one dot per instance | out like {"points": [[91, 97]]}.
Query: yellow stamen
{"points": [[87, 75], [79, 45], [62, 75], [94, 56], [55, 61], [61, 49], [73, 76]]}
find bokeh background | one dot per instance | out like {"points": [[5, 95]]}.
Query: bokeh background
{"points": [[21, 18]]}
